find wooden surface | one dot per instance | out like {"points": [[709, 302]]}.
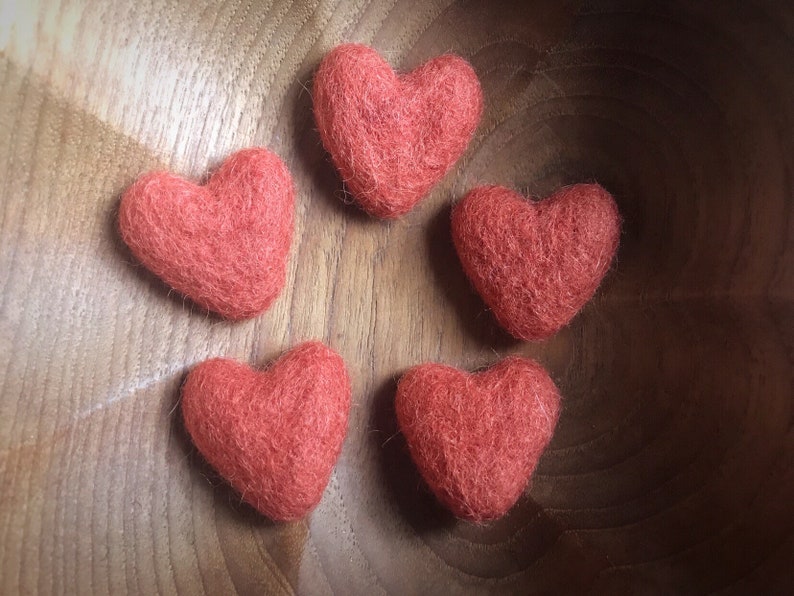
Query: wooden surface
{"points": [[672, 470]]}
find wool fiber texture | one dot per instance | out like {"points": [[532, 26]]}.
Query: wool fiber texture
{"points": [[536, 263], [274, 435], [224, 245], [477, 437], [393, 137]]}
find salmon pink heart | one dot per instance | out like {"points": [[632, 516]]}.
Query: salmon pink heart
{"points": [[477, 438], [535, 264], [275, 435], [393, 137], [223, 245]]}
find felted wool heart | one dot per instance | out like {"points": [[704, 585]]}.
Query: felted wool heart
{"points": [[273, 435], [477, 438], [535, 264], [223, 245], [393, 137]]}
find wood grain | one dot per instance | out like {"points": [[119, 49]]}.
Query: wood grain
{"points": [[672, 470]]}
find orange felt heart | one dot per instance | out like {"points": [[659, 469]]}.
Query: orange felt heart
{"points": [[274, 435], [393, 137], [477, 438], [223, 245], [535, 264]]}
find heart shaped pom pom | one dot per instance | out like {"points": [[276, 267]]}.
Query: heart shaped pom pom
{"points": [[477, 438], [223, 245], [535, 264], [274, 435], [393, 137]]}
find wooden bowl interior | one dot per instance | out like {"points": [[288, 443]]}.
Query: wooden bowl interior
{"points": [[673, 465]]}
